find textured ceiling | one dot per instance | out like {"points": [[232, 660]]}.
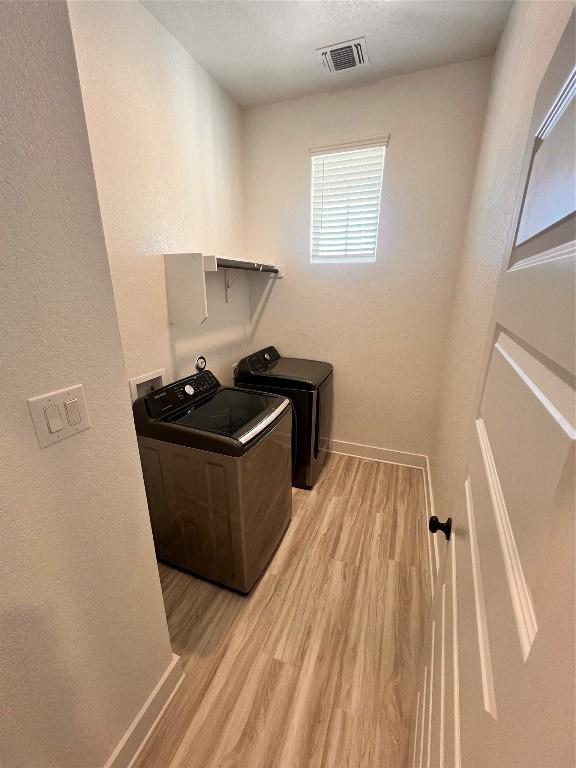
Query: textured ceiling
{"points": [[265, 50]]}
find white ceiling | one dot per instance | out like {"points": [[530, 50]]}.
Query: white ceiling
{"points": [[262, 51]]}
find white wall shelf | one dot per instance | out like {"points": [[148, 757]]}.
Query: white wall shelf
{"points": [[186, 283]]}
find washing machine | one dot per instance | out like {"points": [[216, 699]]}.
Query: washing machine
{"points": [[309, 385], [217, 470]]}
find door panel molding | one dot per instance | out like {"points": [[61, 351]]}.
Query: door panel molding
{"points": [[443, 677], [416, 730], [536, 305], [563, 251], [486, 670], [554, 394], [424, 692], [549, 194], [561, 104], [553, 238], [520, 595], [455, 658], [430, 697]]}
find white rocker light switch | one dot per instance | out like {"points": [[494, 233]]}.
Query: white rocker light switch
{"points": [[53, 419], [72, 409]]}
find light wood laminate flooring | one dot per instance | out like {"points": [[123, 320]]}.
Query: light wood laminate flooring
{"points": [[317, 666]]}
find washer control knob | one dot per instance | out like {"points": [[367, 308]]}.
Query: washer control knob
{"points": [[189, 389], [267, 356]]}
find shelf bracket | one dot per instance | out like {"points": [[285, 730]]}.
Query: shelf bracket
{"points": [[227, 285]]}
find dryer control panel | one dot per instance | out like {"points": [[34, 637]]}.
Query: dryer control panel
{"points": [[261, 360], [181, 393]]}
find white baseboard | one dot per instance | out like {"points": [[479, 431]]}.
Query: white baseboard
{"points": [[133, 741], [380, 454]]}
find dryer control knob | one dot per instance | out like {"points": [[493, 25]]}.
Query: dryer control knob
{"points": [[189, 389]]}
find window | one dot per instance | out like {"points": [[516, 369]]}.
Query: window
{"points": [[346, 189]]}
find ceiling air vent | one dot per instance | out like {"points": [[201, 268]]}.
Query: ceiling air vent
{"points": [[347, 55]]}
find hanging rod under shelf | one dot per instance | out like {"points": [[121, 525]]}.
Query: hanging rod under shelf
{"points": [[250, 266]]}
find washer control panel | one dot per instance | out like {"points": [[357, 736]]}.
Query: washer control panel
{"points": [[181, 393]]}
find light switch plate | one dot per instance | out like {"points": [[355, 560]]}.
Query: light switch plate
{"points": [[71, 404]]}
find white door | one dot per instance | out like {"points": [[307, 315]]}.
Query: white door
{"points": [[497, 685]]}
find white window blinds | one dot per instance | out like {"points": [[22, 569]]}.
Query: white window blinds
{"points": [[346, 189]]}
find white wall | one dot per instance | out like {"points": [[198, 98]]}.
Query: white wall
{"points": [[382, 325], [527, 45], [83, 636], [166, 147]]}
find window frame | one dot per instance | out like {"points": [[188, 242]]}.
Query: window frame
{"points": [[380, 142]]}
